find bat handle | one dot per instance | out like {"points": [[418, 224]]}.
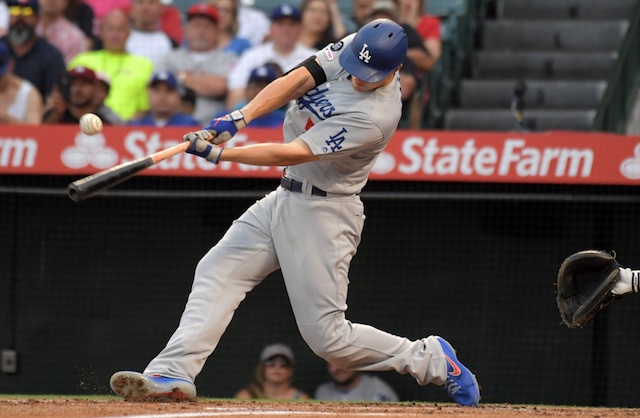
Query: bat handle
{"points": [[170, 152]]}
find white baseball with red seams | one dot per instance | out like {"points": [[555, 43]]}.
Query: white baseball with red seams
{"points": [[90, 124]]}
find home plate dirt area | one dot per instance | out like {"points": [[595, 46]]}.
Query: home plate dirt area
{"points": [[115, 407]]}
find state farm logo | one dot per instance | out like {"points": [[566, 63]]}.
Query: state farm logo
{"points": [[630, 168], [18, 152], [89, 150], [515, 158]]}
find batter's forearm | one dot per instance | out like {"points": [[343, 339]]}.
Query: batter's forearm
{"points": [[268, 154]]}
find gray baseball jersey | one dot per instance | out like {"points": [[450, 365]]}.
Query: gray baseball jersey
{"points": [[345, 128], [311, 239]]}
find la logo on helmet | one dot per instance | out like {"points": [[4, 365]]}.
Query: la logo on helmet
{"points": [[364, 54]]}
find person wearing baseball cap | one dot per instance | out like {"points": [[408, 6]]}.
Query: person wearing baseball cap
{"points": [[200, 65], [23, 103], [205, 10], [273, 376], [347, 109], [165, 96], [259, 78], [75, 97], [283, 48], [35, 59], [103, 87], [285, 11]]}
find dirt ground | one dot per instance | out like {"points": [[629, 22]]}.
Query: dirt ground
{"points": [[74, 407]]}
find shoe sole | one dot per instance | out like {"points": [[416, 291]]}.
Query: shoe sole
{"points": [[139, 388]]}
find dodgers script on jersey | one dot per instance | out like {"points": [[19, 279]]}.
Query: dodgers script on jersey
{"points": [[345, 128]]}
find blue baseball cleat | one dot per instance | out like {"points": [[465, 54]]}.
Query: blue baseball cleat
{"points": [[138, 387], [461, 384]]}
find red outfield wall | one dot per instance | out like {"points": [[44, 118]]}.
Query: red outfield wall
{"points": [[501, 157]]}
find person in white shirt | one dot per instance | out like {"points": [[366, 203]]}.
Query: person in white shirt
{"points": [[4, 18], [146, 38], [283, 49], [253, 23], [20, 102], [351, 385]]}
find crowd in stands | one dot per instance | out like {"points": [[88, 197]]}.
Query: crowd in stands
{"points": [[274, 378], [147, 62]]}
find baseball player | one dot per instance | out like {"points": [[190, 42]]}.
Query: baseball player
{"points": [[348, 105]]}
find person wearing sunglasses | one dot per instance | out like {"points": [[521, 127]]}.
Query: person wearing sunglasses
{"points": [[36, 60], [274, 376]]}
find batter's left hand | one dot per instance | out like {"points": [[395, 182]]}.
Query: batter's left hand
{"points": [[224, 128], [202, 147]]}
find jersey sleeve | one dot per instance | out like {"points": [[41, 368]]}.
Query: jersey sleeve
{"points": [[328, 57]]}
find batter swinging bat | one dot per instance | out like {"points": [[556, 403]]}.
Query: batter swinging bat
{"points": [[86, 187]]}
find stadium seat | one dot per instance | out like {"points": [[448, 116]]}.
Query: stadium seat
{"points": [[570, 35], [503, 120], [542, 64], [565, 9], [487, 94], [563, 51]]}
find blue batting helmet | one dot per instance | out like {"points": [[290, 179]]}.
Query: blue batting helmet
{"points": [[376, 51]]}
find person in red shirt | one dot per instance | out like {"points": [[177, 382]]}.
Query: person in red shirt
{"points": [[412, 12]]}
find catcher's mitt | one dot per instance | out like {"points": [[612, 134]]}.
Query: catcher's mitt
{"points": [[584, 285]]}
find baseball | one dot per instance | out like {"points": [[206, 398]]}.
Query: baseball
{"points": [[90, 124]]}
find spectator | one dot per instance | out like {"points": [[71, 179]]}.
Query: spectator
{"points": [[164, 98], [253, 23], [128, 73], [188, 101], [200, 66], [361, 9], [284, 49], [59, 31], [414, 67], [101, 8], [102, 91], [274, 376], [146, 38], [69, 105], [4, 18], [417, 51], [81, 14], [321, 23], [35, 59], [348, 385], [228, 39], [20, 102], [258, 80], [412, 12]]}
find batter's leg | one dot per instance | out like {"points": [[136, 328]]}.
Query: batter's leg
{"points": [[232, 268], [315, 249]]}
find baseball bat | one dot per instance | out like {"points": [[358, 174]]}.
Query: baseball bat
{"points": [[86, 187]]}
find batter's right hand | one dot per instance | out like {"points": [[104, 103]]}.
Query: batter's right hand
{"points": [[202, 147], [224, 128]]}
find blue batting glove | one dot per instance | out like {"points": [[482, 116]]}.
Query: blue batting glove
{"points": [[201, 147], [224, 128]]}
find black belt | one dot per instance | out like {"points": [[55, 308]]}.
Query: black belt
{"points": [[296, 186]]}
